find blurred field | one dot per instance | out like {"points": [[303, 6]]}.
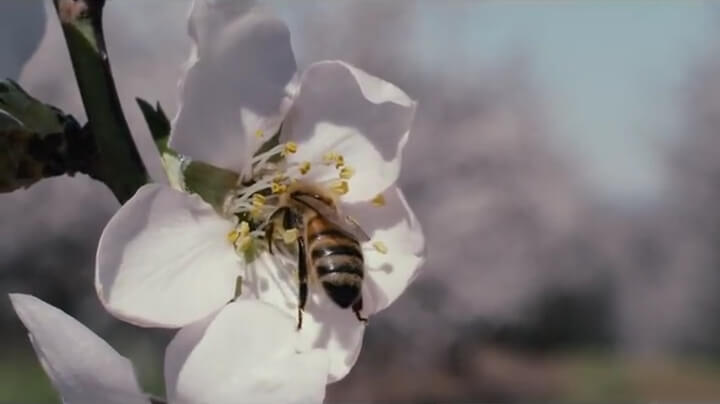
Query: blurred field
{"points": [[490, 374]]}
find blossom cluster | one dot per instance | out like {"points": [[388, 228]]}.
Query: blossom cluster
{"points": [[170, 258]]}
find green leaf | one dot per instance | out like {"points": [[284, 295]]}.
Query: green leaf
{"points": [[32, 114], [210, 182]]}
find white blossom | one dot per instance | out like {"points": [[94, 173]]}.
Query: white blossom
{"points": [[241, 354], [168, 258]]}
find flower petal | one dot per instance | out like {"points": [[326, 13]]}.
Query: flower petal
{"points": [[325, 325], [343, 109], [337, 331], [82, 367], [396, 227], [245, 354], [239, 80], [164, 260]]}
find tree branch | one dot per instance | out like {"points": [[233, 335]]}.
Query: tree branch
{"points": [[119, 164]]}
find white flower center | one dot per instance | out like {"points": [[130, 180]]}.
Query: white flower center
{"points": [[262, 189]]}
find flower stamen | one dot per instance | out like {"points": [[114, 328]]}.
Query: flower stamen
{"points": [[232, 236], [244, 229], [380, 247], [340, 187], [289, 148], [290, 236], [258, 201], [347, 172], [378, 200], [245, 244], [339, 161], [332, 157], [278, 188]]}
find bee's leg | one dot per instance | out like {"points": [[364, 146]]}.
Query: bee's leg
{"points": [[302, 280], [290, 221], [357, 307], [270, 230]]}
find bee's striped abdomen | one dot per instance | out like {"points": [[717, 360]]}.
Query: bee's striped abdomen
{"points": [[337, 261]]}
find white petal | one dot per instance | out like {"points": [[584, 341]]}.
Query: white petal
{"points": [[394, 225], [337, 331], [164, 260], [245, 354], [82, 367], [325, 325], [343, 109], [239, 79]]}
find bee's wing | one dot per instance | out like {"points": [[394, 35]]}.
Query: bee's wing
{"points": [[346, 223]]}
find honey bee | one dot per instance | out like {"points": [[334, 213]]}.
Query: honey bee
{"points": [[328, 246]]}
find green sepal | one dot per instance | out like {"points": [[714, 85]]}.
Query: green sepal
{"points": [[158, 123], [210, 182], [31, 114]]}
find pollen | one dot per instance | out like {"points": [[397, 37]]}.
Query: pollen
{"points": [[378, 200], [232, 236], [245, 243], [380, 247], [280, 177], [339, 161], [278, 188], [258, 201], [340, 187], [290, 236], [347, 172], [290, 148], [329, 157], [304, 167], [259, 133], [244, 229]]}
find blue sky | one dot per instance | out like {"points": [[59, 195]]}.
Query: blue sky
{"points": [[611, 69]]}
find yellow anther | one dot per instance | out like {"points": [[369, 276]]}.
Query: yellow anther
{"points": [[233, 236], [290, 236], [340, 187], [259, 133], [280, 178], [304, 167], [258, 200], [277, 188], [290, 148], [378, 200], [380, 247], [334, 158], [244, 229], [330, 157], [347, 172]]}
